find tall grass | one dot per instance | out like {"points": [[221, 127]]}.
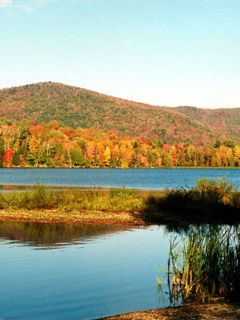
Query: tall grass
{"points": [[42, 197], [210, 200], [217, 192], [205, 264], [39, 198]]}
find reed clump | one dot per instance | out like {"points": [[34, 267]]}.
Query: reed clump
{"points": [[205, 264], [216, 193], [209, 201]]}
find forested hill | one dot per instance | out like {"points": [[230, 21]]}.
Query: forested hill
{"points": [[75, 107], [226, 121]]}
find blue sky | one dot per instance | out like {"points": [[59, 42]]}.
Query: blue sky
{"points": [[164, 52]]}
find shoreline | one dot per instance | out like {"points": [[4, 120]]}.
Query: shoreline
{"points": [[123, 168], [75, 217], [212, 311]]}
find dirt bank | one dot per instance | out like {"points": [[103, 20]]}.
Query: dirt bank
{"points": [[213, 311], [80, 217]]}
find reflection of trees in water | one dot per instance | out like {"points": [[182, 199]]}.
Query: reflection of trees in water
{"points": [[204, 262], [44, 234]]}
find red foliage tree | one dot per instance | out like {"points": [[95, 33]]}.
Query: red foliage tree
{"points": [[7, 158]]}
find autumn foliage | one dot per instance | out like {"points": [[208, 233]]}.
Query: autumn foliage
{"points": [[53, 145], [7, 157], [73, 107]]}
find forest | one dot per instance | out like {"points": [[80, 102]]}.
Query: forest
{"points": [[24, 144], [75, 107]]}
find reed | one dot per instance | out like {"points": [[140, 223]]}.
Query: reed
{"points": [[205, 264], [209, 201]]}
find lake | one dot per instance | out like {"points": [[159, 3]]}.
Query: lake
{"points": [[56, 272], [155, 179], [79, 272]]}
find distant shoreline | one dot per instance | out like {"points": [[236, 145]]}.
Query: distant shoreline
{"points": [[122, 168]]}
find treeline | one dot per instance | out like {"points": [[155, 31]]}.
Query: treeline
{"points": [[51, 145]]}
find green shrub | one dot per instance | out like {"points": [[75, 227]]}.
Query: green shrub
{"points": [[215, 191], [42, 198]]}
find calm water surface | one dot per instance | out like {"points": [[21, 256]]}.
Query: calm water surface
{"points": [[129, 178], [79, 272], [87, 272]]}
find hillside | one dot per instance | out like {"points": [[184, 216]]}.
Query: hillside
{"points": [[76, 107], [226, 121]]}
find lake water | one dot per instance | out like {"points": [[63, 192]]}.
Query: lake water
{"points": [[117, 178], [79, 272], [56, 272]]}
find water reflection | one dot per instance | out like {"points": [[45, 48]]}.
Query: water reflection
{"points": [[6, 188], [53, 235], [107, 275], [114, 274]]}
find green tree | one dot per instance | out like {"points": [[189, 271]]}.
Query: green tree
{"points": [[15, 159], [77, 157]]}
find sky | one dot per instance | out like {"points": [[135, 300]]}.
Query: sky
{"points": [[162, 52]]}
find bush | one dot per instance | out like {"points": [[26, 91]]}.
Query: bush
{"points": [[215, 191], [209, 201], [41, 198]]}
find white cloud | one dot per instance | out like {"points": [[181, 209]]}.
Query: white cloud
{"points": [[5, 2], [30, 5], [35, 4], [25, 5]]}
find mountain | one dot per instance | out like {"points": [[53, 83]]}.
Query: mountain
{"points": [[225, 121], [77, 107]]}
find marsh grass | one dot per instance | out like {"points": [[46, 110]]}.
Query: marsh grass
{"points": [[214, 193], [39, 198], [96, 199], [205, 264], [209, 201]]}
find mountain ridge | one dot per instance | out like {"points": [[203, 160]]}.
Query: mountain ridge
{"points": [[79, 107]]}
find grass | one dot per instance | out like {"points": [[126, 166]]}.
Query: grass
{"points": [[95, 206], [216, 201], [97, 199], [205, 264]]}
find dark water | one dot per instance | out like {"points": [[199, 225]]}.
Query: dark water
{"points": [[129, 178], [79, 272]]}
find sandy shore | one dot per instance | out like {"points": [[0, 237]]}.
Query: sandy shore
{"points": [[80, 217], [213, 311]]}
